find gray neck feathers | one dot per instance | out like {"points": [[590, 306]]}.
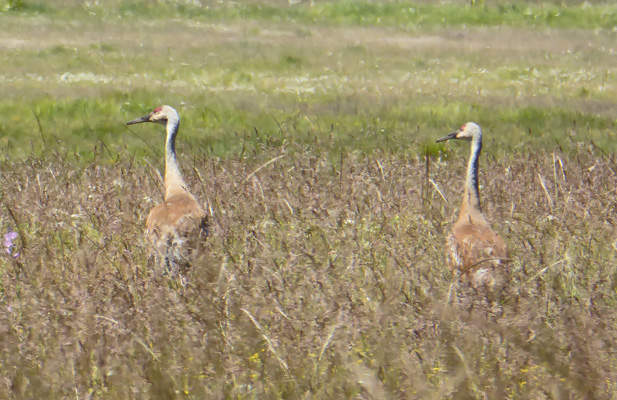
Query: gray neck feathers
{"points": [[472, 192], [173, 178], [172, 131]]}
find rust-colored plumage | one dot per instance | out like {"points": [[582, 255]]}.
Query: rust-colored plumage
{"points": [[474, 249], [176, 226]]}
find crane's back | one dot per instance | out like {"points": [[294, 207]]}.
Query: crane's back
{"points": [[176, 226], [475, 249]]}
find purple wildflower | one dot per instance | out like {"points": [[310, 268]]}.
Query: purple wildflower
{"points": [[8, 242]]}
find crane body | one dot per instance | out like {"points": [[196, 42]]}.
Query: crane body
{"points": [[176, 226], [474, 250]]}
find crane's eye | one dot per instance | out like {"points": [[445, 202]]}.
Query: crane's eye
{"points": [[463, 127]]}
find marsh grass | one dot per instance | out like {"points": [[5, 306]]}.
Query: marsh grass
{"points": [[83, 73], [405, 15], [305, 131], [323, 280]]}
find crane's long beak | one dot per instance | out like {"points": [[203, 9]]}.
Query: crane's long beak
{"points": [[139, 120], [450, 136]]}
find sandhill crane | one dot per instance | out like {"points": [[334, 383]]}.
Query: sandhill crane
{"points": [[474, 249], [175, 226]]}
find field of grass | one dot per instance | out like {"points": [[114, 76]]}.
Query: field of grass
{"points": [[308, 132]]}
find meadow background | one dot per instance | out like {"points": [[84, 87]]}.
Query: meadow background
{"points": [[308, 132]]}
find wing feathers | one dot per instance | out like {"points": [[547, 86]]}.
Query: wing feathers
{"points": [[175, 225], [475, 249]]}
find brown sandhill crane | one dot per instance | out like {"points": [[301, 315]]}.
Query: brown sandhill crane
{"points": [[474, 249], [175, 226]]}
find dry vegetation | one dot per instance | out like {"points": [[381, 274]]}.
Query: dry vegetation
{"points": [[304, 130], [324, 280]]}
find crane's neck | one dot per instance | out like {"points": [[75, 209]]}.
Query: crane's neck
{"points": [[471, 197], [174, 183]]}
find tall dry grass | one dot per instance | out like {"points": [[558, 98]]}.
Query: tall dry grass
{"points": [[324, 279]]}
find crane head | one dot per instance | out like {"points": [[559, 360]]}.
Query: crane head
{"points": [[468, 132], [160, 115]]}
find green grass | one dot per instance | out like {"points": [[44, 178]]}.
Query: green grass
{"points": [[84, 75], [401, 15]]}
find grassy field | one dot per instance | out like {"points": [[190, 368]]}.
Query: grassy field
{"points": [[308, 132]]}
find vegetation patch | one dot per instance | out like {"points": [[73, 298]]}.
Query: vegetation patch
{"points": [[308, 132], [321, 279]]}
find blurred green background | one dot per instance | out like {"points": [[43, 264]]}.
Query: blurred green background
{"points": [[354, 75]]}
